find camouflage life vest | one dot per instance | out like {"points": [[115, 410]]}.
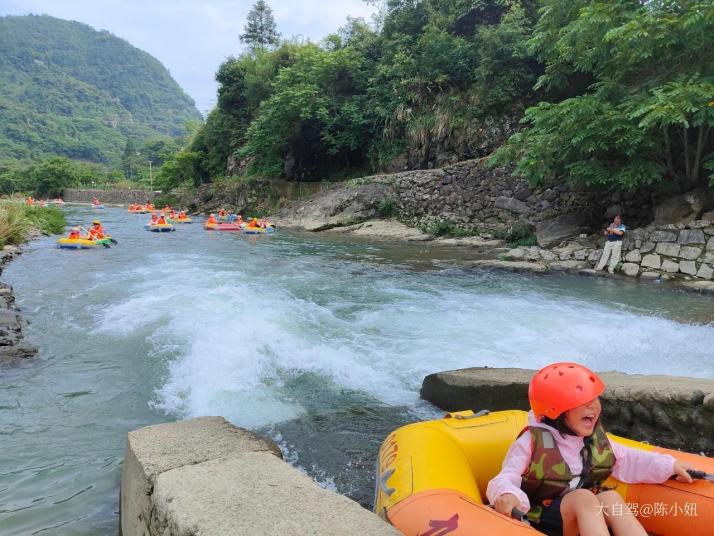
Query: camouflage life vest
{"points": [[548, 476]]}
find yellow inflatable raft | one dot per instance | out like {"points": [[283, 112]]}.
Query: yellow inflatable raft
{"points": [[159, 227], [82, 243], [432, 478]]}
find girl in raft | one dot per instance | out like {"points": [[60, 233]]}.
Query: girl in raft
{"points": [[555, 469]]}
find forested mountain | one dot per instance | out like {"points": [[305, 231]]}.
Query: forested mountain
{"points": [[67, 89]]}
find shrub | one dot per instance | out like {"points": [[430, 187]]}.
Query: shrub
{"points": [[520, 234], [387, 208]]}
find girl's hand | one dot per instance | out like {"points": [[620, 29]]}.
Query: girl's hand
{"points": [[681, 472], [507, 502]]}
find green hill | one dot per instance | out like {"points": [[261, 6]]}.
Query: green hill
{"points": [[67, 89]]}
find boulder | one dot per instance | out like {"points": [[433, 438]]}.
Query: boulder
{"points": [[512, 205], [668, 249], [647, 247], [708, 216], [516, 254], [523, 193], [709, 231], [683, 207], [690, 253], [691, 236], [16, 354], [673, 210], [634, 256], [664, 236], [710, 244], [688, 267], [630, 268], [705, 272], [652, 261], [670, 266], [555, 230]]}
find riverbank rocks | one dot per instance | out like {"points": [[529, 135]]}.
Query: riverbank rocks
{"points": [[669, 411], [13, 348], [205, 476]]}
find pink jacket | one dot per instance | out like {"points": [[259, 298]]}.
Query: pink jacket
{"points": [[631, 466]]}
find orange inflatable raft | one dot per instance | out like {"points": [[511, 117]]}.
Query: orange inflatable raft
{"points": [[432, 478]]}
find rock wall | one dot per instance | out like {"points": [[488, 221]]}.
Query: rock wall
{"points": [[110, 197], [672, 412], [206, 476], [255, 197], [472, 196]]}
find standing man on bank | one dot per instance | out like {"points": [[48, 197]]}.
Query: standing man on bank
{"points": [[613, 246]]}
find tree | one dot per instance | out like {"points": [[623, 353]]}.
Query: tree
{"points": [[260, 29], [52, 176], [645, 113]]}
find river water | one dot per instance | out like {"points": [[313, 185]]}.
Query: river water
{"points": [[320, 343]]}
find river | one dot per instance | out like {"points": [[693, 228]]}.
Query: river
{"points": [[319, 342]]}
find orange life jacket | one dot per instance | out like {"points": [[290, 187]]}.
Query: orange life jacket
{"points": [[96, 232]]}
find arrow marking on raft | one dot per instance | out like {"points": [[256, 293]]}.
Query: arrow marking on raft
{"points": [[439, 527]]}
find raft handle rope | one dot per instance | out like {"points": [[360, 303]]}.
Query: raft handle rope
{"points": [[517, 515], [477, 414], [697, 475], [383, 482]]}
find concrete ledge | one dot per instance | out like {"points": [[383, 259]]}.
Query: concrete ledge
{"points": [[669, 411], [206, 476]]}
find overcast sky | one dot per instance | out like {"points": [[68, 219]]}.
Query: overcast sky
{"points": [[192, 37]]}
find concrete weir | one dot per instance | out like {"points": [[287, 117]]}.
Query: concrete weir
{"points": [[669, 411], [205, 476]]}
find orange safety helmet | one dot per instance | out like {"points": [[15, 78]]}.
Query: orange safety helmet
{"points": [[560, 387]]}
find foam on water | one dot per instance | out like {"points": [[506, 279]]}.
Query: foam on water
{"points": [[232, 339]]}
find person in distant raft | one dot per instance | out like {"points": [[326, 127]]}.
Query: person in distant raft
{"points": [[556, 467], [97, 231], [74, 233], [613, 247], [211, 219]]}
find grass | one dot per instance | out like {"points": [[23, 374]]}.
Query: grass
{"points": [[447, 228], [18, 220]]}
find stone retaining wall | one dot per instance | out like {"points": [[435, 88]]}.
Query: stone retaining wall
{"points": [[111, 197], [683, 251], [205, 476], [672, 412]]}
